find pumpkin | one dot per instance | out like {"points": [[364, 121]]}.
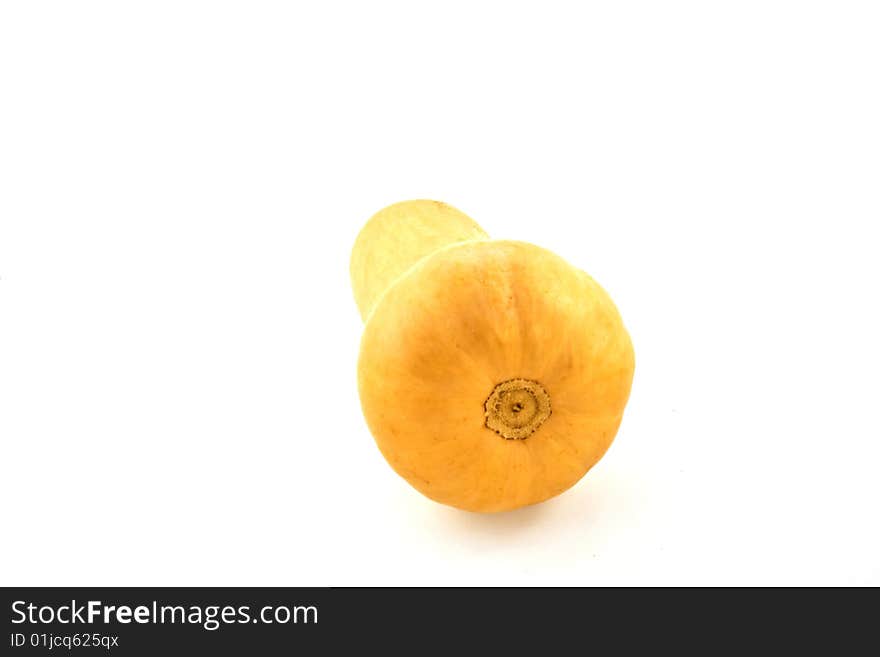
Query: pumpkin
{"points": [[492, 373]]}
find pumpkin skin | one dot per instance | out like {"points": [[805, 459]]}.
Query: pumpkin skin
{"points": [[396, 238], [493, 374]]}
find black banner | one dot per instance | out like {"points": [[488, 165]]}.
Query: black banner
{"points": [[186, 621]]}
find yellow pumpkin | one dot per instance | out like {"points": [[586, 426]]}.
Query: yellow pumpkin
{"points": [[492, 373]]}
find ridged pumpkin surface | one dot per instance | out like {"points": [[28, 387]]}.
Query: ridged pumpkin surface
{"points": [[494, 374]]}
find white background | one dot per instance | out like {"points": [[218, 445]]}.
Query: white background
{"points": [[180, 187]]}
